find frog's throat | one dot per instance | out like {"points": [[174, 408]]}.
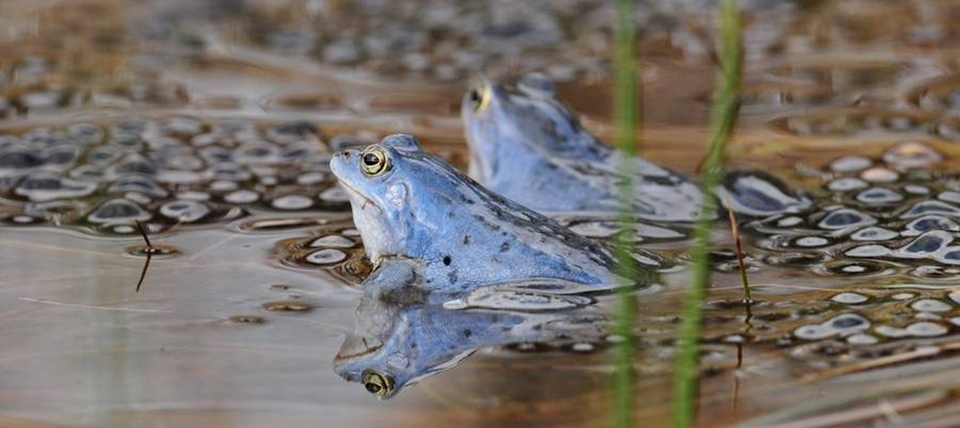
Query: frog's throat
{"points": [[370, 220], [366, 201]]}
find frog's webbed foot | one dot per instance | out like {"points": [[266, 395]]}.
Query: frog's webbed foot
{"points": [[397, 280]]}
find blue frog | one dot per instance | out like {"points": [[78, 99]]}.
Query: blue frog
{"points": [[394, 344], [423, 222], [528, 146]]}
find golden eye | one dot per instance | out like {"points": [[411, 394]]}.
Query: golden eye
{"points": [[376, 383], [480, 97], [374, 161]]}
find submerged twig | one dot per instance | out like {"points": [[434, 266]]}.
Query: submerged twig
{"points": [[722, 119], [735, 230], [149, 251]]}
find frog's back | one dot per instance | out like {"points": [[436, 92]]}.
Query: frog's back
{"points": [[490, 239], [528, 146]]}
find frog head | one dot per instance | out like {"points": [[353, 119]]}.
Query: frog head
{"points": [[410, 205], [379, 182], [502, 121]]}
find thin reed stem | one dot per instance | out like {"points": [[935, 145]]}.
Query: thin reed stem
{"points": [[627, 119], [722, 118]]}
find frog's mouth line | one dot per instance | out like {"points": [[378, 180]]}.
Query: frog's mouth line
{"points": [[354, 192]]}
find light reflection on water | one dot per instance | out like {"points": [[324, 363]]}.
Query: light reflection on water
{"points": [[240, 326]]}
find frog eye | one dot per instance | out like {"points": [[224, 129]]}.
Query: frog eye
{"points": [[376, 383], [480, 97], [374, 161]]}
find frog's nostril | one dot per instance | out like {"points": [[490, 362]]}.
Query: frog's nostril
{"points": [[345, 155]]}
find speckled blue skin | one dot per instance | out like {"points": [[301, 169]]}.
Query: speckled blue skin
{"points": [[410, 342], [529, 147], [526, 145], [458, 235]]}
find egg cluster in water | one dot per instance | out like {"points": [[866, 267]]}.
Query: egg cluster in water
{"points": [[887, 223], [893, 214], [178, 170]]}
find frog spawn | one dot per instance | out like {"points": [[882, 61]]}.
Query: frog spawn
{"points": [[334, 247], [40, 85], [875, 216], [905, 315], [177, 170]]}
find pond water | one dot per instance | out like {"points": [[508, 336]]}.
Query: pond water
{"points": [[212, 125]]}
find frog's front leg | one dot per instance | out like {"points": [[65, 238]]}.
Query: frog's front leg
{"points": [[396, 279]]}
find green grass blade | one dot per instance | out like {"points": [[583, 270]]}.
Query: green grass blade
{"points": [[627, 119], [722, 119]]}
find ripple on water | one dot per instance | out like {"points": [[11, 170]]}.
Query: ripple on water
{"points": [[911, 155], [811, 242], [925, 245], [879, 175], [928, 223], [843, 325], [878, 195], [242, 196], [931, 207], [118, 211], [862, 339], [849, 298], [246, 319], [916, 189], [326, 257], [930, 305], [850, 163], [335, 194], [332, 241], [926, 329], [847, 268], [846, 184], [494, 298], [292, 202], [184, 211], [873, 233], [48, 186], [845, 218], [288, 306]]}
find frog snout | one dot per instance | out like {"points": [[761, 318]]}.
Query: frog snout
{"points": [[345, 156], [340, 161]]}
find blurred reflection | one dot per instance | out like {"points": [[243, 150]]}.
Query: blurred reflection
{"points": [[397, 342]]}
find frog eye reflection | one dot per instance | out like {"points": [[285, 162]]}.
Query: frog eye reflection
{"points": [[376, 383], [480, 97], [374, 161]]}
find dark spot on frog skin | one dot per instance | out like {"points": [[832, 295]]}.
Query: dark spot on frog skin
{"points": [[446, 260], [504, 247], [467, 333], [452, 276], [466, 239]]}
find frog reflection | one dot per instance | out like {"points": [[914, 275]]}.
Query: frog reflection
{"points": [[394, 345]]}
